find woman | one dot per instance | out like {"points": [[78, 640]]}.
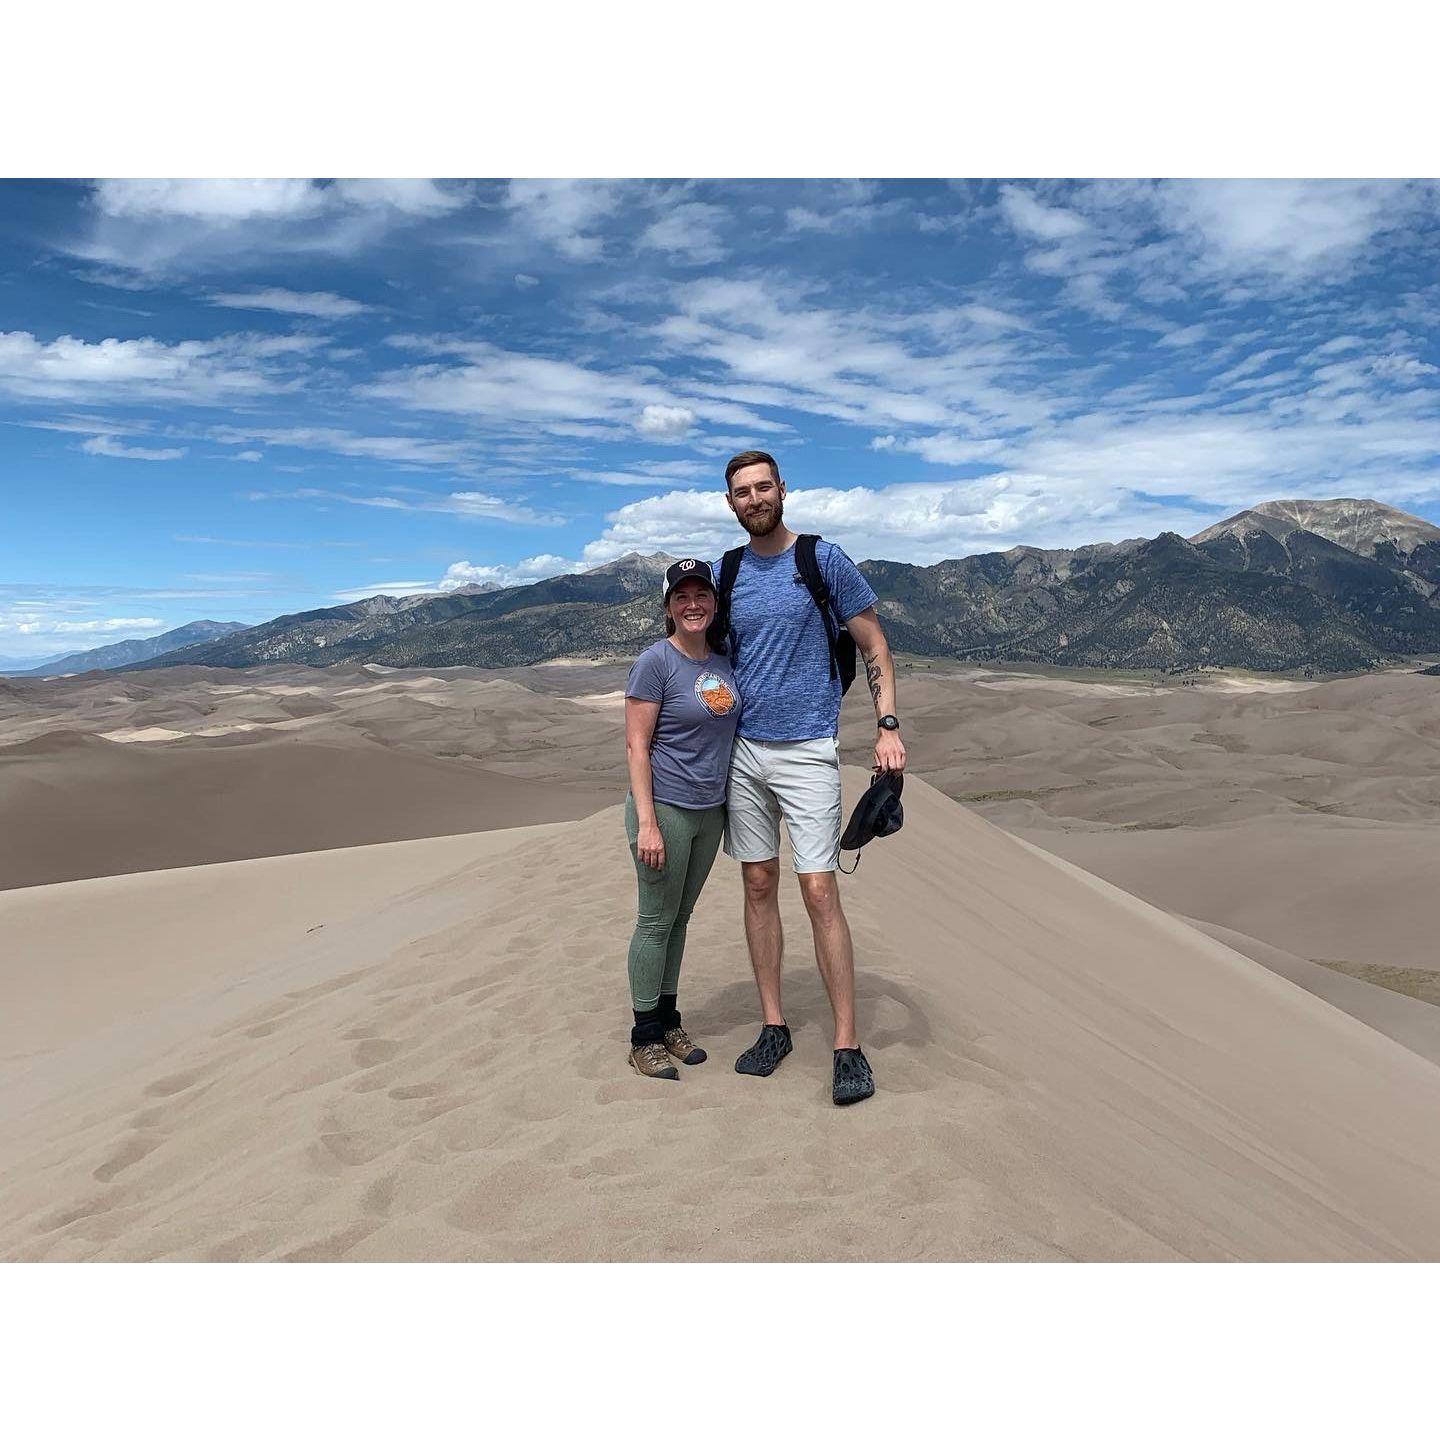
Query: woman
{"points": [[681, 709]]}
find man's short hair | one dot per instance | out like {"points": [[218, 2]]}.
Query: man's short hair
{"points": [[749, 457]]}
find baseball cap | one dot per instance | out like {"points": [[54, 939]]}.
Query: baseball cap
{"points": [[687, 570]]}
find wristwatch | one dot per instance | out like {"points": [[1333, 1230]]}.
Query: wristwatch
{"points": [[888, 722]]}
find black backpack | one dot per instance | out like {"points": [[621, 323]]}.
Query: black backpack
{"points": [[842, 643]]}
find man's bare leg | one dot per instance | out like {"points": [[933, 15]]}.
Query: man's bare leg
{"points": [[764, 934], [834, 950]]}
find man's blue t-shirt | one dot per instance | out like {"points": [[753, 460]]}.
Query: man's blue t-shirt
{"points": [[782, 661]]}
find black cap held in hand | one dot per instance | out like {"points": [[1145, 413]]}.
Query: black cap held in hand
{"points": [[879, 812]]}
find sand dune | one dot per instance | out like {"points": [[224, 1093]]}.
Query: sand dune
{"points": [[1326, 891], [1415, 1024], [417, 1051], [78, 805], [1305, 816]]}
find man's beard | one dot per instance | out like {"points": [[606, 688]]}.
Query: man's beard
{"points": [[767, 522]]}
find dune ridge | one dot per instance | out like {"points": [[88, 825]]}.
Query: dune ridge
{"points": [[432, 1066]]}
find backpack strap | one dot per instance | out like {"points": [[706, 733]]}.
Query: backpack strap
{"points": [[808, 567], [729, 570]]}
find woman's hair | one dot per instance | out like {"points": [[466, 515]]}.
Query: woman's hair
{"points": [[716, 635]]}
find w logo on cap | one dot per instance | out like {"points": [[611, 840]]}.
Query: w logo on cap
{"points": [[686, 565]]}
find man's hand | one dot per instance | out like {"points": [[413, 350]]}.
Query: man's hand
{"points": [[889, 751], [650, 846]]}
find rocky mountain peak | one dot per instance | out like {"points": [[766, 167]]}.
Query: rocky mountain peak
{"points": [[633, 562], [1358, 525]]}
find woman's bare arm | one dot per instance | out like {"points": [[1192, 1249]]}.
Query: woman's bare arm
{"points": [[640, 718]]}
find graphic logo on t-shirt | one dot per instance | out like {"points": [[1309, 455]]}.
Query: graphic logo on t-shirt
{"points": [[716, 696]]}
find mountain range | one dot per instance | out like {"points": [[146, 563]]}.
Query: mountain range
{"points": [[125, 653], [1328, 585]]}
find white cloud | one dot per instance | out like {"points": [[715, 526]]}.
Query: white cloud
{"points": [[161, 227], [191, 371], [463, 573], [1340, 343], [844, 206], [564, 213], [477, 505], [1036, 220], [506, 385], [1352, 445], [989, 316], [688, 232], [212, 200], [869, 368], [385, 587], [526, 282], [395, 449], [1287, 229], [1121, 250], [319, 303], [945, 449], [516, 390], [1257, 360], [802, 218], [227, 201], [522, 572], [681, 522], [916, 523], [1184, 335], [267, 544], [409, 197], [470, 504], [665, 422], [27, 621], [653, 473], [108, 445]]}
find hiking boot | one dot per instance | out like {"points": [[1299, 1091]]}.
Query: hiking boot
{"points": [[652, 1060], [765, 1055], [683, 1048], [854, 1080]]}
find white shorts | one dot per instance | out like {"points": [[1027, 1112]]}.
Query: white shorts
{"points": [[798, 780]]}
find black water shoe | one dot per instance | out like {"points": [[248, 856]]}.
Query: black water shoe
{"points": [[854, 1079], [765, 1055]]}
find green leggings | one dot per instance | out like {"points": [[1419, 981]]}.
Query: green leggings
{"points": [[668, 895]]}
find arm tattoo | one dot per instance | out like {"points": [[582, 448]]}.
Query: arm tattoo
{"points": [[872, 674]]}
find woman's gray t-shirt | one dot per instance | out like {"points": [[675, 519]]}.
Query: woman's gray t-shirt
{"points": [[695, 730]]}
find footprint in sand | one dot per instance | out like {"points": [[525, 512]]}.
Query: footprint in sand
{"points": [[526, 944], [174, 1084], [131, 1152], [379, 1195], [59, 1219], [370, 1053], [349, 1147], [328, 987], [267, 1015]]}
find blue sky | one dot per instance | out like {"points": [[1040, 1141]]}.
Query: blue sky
{"points": [[234, 399]]}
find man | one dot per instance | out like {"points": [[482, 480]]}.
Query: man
{"points": [[786, 761]]}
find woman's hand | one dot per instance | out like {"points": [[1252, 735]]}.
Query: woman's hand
{"points": [[650, 846]]}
